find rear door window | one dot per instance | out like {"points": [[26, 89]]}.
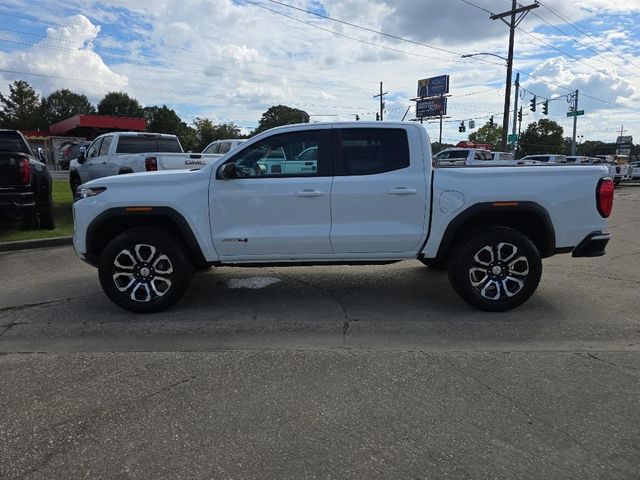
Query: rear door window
{"points": [[368, 151]]}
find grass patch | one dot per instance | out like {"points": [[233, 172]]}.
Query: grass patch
{"points": [[11, 229]]}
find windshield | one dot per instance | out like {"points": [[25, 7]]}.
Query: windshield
{"points": [[452, 154]]}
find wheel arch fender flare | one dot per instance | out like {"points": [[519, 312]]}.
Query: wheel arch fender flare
{"points": [[114, 221], [530, 218]]}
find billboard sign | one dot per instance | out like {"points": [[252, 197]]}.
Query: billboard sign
{"points": [[624, 140], [431, 107], [430, 87]]}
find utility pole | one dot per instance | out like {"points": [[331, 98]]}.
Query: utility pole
{"points": [[515, 111], [575, 122], [381, 95], [520, 12]]}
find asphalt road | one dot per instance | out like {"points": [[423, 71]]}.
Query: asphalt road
{"points": [[324, 372]]}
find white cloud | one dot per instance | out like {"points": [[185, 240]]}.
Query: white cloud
{"points": [[66, 52]]}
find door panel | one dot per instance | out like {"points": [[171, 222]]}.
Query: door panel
{"points": [[274, 211], [379, 194]]}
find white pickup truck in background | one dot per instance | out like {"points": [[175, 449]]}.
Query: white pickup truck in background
{"points": [[130, 152], [357, 192]]}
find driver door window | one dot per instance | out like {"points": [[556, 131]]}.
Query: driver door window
{"points": [[94, 149], [294, 154]]}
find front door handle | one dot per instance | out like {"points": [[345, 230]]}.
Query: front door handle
{"points": [[402, 191], [310, 193]]}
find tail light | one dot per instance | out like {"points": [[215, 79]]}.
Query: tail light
{"points": [[604, 197], [24, 171], [151, 164]]}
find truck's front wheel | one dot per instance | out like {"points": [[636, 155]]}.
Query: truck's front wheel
{"points": [[495, 269], [145, 270]]}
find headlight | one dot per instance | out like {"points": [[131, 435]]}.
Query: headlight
{"points": [[86, 192]]}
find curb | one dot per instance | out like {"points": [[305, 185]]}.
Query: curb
{"points": [[31, 244]]}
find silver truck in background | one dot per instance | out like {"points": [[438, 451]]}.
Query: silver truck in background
{"points": [[129, 152]]}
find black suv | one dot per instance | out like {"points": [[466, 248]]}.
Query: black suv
{"points": [[25, 183]]}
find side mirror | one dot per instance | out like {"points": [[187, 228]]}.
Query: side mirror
{"points": [[82, 155], [227, 171]]}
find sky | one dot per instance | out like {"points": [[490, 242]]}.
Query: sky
{"points": [[230, 60]]}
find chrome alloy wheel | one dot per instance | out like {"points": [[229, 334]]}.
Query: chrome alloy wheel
{"points": [[498, 271], [142, 272]]}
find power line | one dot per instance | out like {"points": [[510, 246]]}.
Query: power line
{"points": [[557, 14], [360, 27], [582, 44], [165, 46]]}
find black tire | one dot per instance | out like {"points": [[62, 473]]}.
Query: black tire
{"points": [[30, 219], [45, 216], [495, 269], [144, 252], [434, 263], [74, 183]]}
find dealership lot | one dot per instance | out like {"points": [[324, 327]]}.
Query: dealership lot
{"points": [[347, 372]]}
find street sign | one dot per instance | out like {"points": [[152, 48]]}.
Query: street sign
{"points": [[430, 87], [575, 114], [512, 138], [431, 107]]}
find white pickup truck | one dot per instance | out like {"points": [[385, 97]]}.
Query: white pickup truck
{"points": [[129, 152], [373, 197]]}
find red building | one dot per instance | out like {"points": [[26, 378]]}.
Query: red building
{"points": [[90, 126]]}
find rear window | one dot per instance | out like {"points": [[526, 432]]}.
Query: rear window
{"points": [[367, 151], [141, 144], [12, 142]]}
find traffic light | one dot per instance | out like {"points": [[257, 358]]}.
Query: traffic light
{"points": [[533, 104], [545, 107], [520, 114], [377, 117], [357, 117], [491, 121], [462, 128]]}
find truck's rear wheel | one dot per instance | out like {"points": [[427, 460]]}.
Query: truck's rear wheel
{"points": [[495, 269], [45, 215], [145, 270]]}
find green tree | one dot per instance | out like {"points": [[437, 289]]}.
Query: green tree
{"points": [[543, 136], [63, 104], [208, 132], [166, 120], [163, 120], [488, 133], [119, 104], [281, 115], [21, 108]]}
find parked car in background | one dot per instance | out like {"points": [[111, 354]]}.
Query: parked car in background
{"points": [[470, 156], [635, 173], [619, 168], [128, 152], [502, 156], [25, 183], [220, 147], [545, 158], [71, 152]]}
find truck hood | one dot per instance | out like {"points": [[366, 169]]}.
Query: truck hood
{"points": [[160, 177]]}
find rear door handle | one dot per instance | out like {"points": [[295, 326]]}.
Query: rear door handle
{"points": [[310, 193], [402, 191]]}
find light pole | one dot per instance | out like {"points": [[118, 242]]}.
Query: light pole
{"points": [[486, 53]]}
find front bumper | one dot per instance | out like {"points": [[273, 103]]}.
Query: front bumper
{"points": [[593, 245]]}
